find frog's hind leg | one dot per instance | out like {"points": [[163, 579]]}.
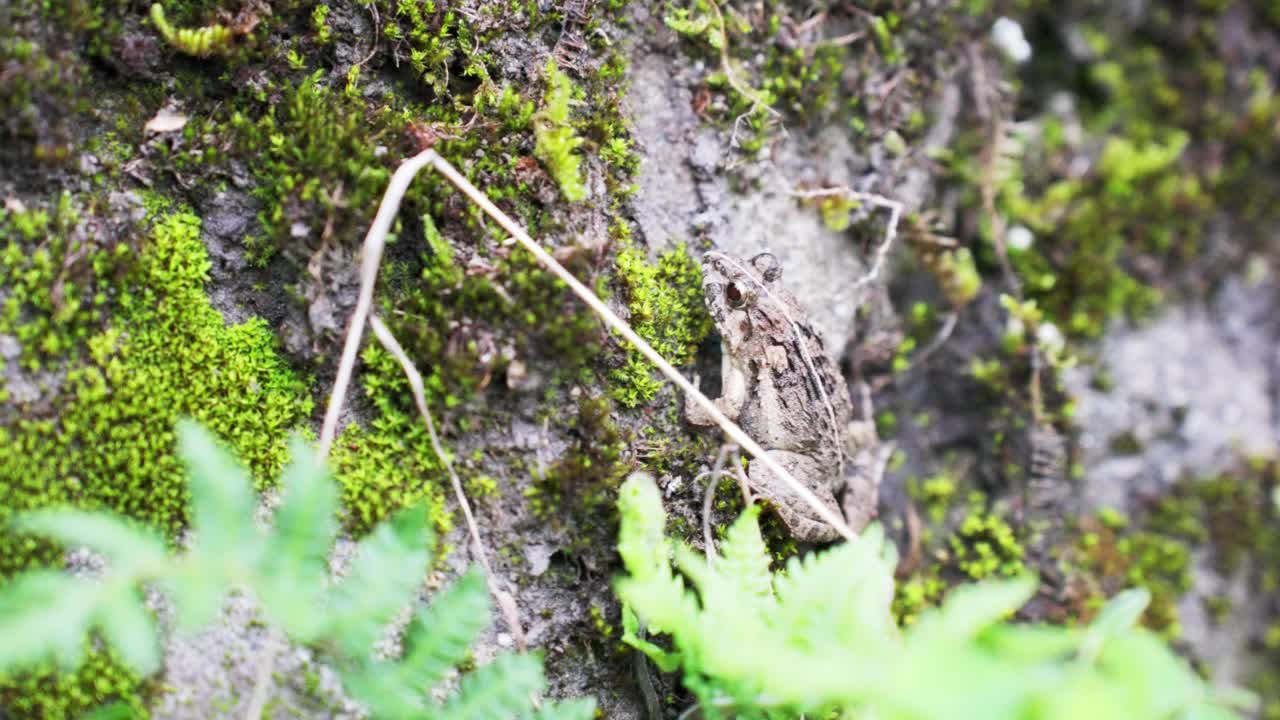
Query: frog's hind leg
{"points": [[801, 520]]}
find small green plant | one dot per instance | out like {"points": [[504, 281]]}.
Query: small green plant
{"points": [[699, 22], [200, 42], [556, 140], [819, 638], [47, 614], [320, 23]]}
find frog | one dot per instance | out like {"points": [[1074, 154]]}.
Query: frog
{"points": [[783, 389]]}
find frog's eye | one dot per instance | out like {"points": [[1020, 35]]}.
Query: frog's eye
{"points": [[768, 266], [734, 296]]}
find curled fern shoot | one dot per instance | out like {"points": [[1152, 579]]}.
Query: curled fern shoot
{"points": [[199, 42]]}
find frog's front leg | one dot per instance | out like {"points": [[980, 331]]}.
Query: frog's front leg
{"points": [[801, 520], [733, 394]]}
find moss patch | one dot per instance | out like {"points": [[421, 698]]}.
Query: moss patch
{"points": [[317, 163], [667, 310], [41, 48], [964, 538], [1168, 131], [50, 695], [1231, 515], [463, 331], [585, 479], [107, 441]]}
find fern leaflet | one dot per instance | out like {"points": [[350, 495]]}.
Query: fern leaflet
{"points": [[820, 640], [47, 614]]}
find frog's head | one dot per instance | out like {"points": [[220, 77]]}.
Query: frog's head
{"points": [[731, 286]]}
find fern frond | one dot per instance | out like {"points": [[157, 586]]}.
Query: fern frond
{"points": [[440, 635], [127, 546], [555, 139], [501, 689], [840, 597], [642, 539], [226, 544], [437, 640], [652, 590], [744, 556], [632, 635], [1117, 617], [388, 567], [824, 644], [970, 609], [129, 627], [222, 500], [294, 564], [200, 42], [46, 613]]}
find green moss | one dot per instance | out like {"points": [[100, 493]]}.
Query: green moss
{"points": [[56, 272], [1111, 559], [50, 695], [916, 594], [936, 493], [320, 24], [697, 22], [107, 442], [315, 157], [955, 271], [390, 464], [774, 66], [42, 51], [985, 546], [962, 537], [1232, 515], [1090, 230], [836, 211], [556, 139], [482, 487], [582, 483], [1171, 140], [667, 310]]}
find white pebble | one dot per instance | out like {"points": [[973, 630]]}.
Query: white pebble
{"points": [[1007, 35]]}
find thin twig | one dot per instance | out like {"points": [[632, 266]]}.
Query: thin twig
{"points": [[1037, 401], [371, 257], [894, 207], [505, 601], [652, 705], [689, 711], [735, 82], [261, 680], [840, 40], [709, 494], [939, 339], [374, 243], [377, 34], [618, 325]]}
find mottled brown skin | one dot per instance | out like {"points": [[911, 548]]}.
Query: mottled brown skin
{"points": [[782, 388]]}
